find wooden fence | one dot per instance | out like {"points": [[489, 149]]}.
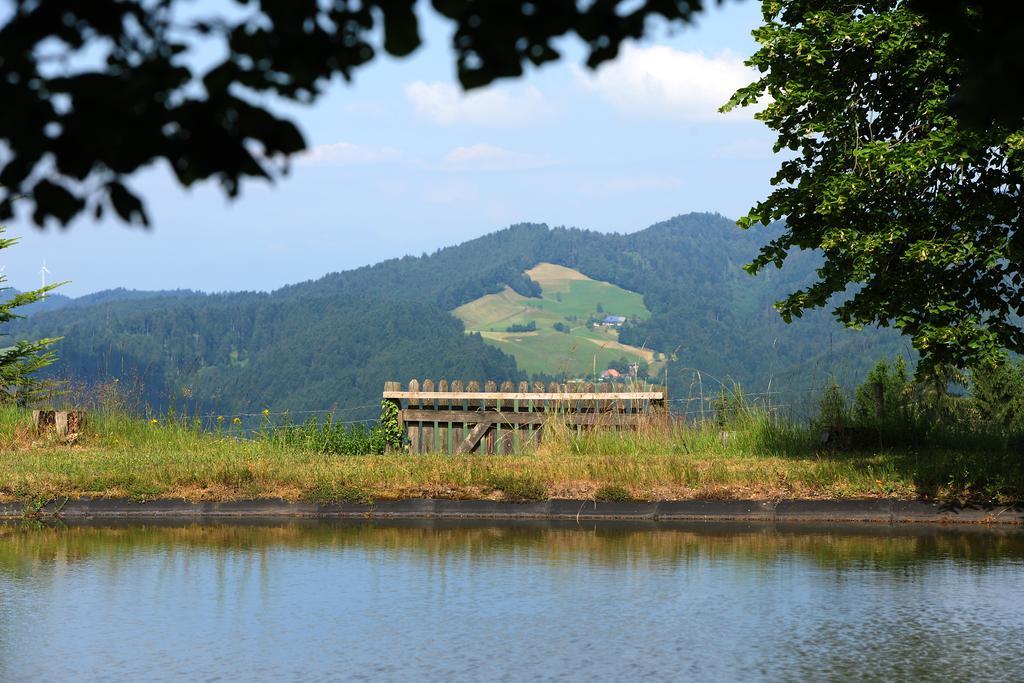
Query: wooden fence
{"points": [[459, 418]]}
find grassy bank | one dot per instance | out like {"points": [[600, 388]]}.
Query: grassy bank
{"points": [[119, 456]]}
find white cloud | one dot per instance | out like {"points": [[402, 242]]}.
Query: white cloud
{"points": [[446, 103], [344, 153], [665, 83], [490, 158], [631, 184]]}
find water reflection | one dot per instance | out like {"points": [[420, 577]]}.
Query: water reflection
{"points": [[308, 600]]}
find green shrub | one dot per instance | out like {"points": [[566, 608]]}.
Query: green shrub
{"points": [[332, 438], [613, 493], [833, 411], [896, 393]]}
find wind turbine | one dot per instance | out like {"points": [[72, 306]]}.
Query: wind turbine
{"points": [[42, 274]]}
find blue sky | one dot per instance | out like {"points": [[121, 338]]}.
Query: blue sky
{"points": [[402, 162]]}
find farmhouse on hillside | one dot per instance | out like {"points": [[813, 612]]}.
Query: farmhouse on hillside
{"points": [[613, 320]]}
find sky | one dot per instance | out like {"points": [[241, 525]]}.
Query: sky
{"points": [[401, 161]]}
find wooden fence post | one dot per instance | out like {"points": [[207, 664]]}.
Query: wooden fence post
{"points": [[414, 427], [443, 428], [490, 386], [427, 428], [472, 388], [459, 432], [506, 436]]}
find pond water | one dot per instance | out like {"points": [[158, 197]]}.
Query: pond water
{"points": [[478, 601]]}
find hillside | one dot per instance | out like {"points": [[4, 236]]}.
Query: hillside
{"points": [[335, 340], [556, 332]]}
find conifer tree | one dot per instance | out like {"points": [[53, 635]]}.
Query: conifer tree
{"points": [[20, 362]]}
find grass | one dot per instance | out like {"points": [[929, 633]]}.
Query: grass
{"points": [[570, 298], [123, 457]]}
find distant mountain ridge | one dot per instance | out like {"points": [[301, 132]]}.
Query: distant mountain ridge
{"points": [[333, 341], [55, 300]]}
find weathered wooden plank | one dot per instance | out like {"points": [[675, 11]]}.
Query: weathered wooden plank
{"points": [[473, 388], [512, 396], [459, 430], [473, 439], [521, 432], [427, 427], [589, 405], [504, 437], [443, 428], [535, 405], [413, 430], [442, 387], [604, 405], [620, 403], [487, 443], [512, 418]]}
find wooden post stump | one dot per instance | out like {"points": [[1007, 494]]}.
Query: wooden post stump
{"points": [[66, 423]]}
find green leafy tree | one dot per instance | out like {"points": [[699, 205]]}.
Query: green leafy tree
{"points": [[997, 394], [918, 216], [20, 363], [933, 392], [891, 382], [987, 39]]}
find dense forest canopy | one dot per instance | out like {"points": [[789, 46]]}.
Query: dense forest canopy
{"points": [[335, 340]]}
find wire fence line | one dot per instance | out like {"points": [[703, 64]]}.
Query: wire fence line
{"points": [[268, 413], [707, 409], [706, 394]]}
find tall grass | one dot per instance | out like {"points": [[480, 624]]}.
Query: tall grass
{"points": [[750, 454], [323, 436]]}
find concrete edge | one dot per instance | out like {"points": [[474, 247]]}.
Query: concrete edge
{"points": [[854, 510]]}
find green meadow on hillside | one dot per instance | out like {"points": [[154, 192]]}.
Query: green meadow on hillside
{"points": [[569, 299]]}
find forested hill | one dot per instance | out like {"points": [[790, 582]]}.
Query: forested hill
{"points": [[55, 300], [335, 340]]}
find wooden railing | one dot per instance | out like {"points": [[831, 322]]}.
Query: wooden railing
{"points": [[460, 418]]}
